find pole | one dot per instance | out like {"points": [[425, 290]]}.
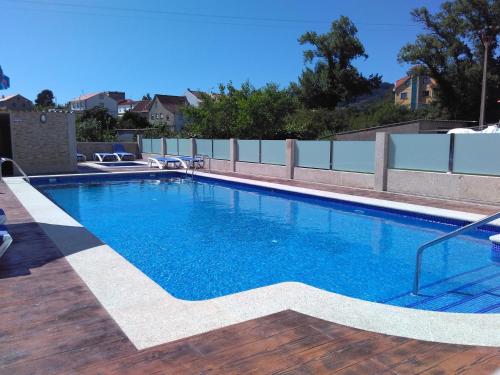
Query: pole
{"points": [[483, 90]]}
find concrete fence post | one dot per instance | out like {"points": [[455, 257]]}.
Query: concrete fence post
{"points": [[139, 142], [290, 158], [381, 160], [163, 146], [233, 153], [193, 147]]}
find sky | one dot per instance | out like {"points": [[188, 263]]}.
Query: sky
{"points": [[154, 46]]}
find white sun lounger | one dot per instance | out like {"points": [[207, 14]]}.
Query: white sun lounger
{"points": [[105, 156], [163, 162], [5, 240]]}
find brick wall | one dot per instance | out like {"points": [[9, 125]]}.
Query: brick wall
{"points": [[48, 147]]}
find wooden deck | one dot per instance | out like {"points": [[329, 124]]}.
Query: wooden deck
{"points": [[52, 324]]}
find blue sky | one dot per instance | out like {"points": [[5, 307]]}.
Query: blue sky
{"points": [[75, 46]]}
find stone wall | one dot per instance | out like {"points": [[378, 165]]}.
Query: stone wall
{"points": [[44, 147], [89, 148]]}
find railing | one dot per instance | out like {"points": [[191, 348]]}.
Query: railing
{"points": [[420, 251], [3, 160]]}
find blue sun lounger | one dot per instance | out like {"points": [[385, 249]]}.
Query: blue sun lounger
{"points": [[120, 152], [5, 240], [163, 162], [80, 157], [3, 217], [192, 160]]}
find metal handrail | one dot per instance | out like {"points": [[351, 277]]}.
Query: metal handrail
{"points": [[3, 160], [420, 251], [194, 163]]}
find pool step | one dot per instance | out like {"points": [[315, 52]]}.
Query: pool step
{"points": [[477, 291]]}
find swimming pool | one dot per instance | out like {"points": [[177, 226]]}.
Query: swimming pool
{"points": [[200, 239]]}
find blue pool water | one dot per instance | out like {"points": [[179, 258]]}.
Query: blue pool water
{"points": [[206, 238]]}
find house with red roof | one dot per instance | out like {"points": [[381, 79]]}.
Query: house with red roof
{"points": [[15, 102], [166, 109], [125, 106], [414, 91]]}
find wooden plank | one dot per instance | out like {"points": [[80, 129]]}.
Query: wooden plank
{"points": [[475, 361]]}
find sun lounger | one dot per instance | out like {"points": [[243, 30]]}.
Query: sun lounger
{"points": [[163, 162], [105, 156], [5, 240], [121, 154], [3, 217], [80, 157], [192, 160]]}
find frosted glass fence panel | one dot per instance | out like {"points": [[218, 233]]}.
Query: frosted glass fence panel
{"points": [[354, 156], [423, 152], [172, 146], [313, 154], [156, 146], [272, 152], [477, 154], [249, 150], [221, 149], [146, 145], [185, 147], [204, 147]]}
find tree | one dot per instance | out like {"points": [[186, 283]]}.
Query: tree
{"points": [[146, 97], [451, 52], [45, 99], [132, 120], [246, 112], [333, 79], [95, 125]]}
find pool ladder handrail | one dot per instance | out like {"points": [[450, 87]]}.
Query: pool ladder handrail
{"points": [[4, 159], [420, 251], [193, 170]]}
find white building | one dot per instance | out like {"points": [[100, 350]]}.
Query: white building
{"points": [[125, 106], [100, 99], [194, 98]]}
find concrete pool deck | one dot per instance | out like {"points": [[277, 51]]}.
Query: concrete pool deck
{"points": [[156, 317], [32, 303]]}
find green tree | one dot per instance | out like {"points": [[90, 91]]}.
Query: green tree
{"points": [[146, 97], [246, 112], [132, 120], [333, 79], [44, 99], [95, 125], [452, 53]]}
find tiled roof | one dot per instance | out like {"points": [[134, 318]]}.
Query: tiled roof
{"points": [[400, 82], [85, 96], [171, 102], [198, 94], [141, 106], [127, 102], [7, 97]]}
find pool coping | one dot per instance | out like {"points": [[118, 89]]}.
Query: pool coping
{"points": [[156, 317]]}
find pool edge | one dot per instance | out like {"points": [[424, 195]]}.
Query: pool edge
{"points": [[156, 317]]}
